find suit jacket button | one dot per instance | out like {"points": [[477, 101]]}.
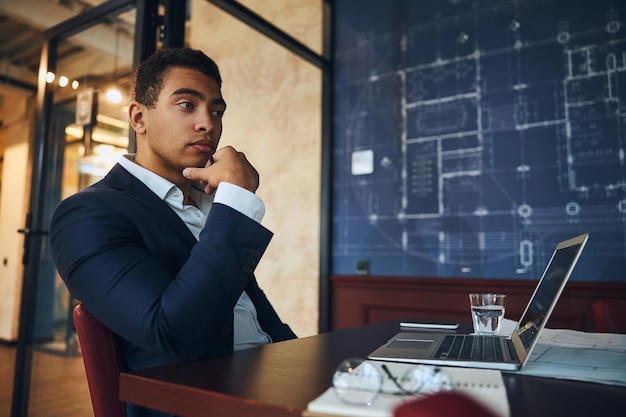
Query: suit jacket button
{"points": [[247, 269], [255, 252], [243, 278]]}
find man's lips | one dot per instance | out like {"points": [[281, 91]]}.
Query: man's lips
{"points": [[203, 146]]}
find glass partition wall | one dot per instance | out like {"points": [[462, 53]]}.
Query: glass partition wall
{"points": [[88, 132], [82, 128]]}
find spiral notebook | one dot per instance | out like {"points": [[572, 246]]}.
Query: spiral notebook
{"points": [[483, 385], [509, 353]]}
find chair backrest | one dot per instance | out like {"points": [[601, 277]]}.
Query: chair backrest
{"points": [[609, 315], [102, 363]]}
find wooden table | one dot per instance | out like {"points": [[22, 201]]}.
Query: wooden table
{"points": [[282, 378]]}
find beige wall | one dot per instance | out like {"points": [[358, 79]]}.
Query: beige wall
{"points": [[274, 117], [16, 132]]}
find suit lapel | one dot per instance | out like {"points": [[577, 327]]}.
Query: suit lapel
{"points": [[119, 178]]}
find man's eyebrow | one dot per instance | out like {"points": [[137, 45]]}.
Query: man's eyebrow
{"points": [[190, 91], [218, 101]]}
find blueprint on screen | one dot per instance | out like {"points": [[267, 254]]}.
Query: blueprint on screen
{"points": [[471, 137]]}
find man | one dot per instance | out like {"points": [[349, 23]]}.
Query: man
{"points": [[163, 249]]}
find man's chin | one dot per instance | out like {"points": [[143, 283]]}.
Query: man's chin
{"points": [[197, 162]]}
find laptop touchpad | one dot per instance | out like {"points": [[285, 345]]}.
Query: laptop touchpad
{"points": [[411, 344]]}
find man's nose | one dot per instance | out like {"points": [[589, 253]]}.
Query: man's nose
{"points": [[204, 124]]}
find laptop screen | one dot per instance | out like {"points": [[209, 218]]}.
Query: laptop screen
{"points": [[546, 294]]}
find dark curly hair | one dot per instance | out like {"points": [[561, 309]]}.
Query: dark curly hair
{"points": [[150, 73]]}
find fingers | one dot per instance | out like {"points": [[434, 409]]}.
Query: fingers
{"points": [[226, 165], [202, 176]]}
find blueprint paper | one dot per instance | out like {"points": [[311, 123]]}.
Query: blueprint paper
{"points": [[581, 356], [570, 354]]}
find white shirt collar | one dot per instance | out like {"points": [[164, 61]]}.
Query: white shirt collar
{"points": [[157, 184], [162, 187]]}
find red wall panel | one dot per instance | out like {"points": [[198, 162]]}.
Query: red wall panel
{"points": [[363, 299]]}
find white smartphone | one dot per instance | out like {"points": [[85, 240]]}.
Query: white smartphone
{"points": [[429, 325]]}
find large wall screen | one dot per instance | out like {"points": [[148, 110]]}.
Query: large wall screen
{"points": [[472, 136]]}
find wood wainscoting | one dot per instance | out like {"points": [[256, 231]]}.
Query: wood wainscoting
{"points": [[362, 299]]}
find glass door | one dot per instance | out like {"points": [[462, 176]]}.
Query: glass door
{"points": [[85, 79]]}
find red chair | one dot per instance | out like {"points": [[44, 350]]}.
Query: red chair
{"points": [[102, 364], [609, 315]]}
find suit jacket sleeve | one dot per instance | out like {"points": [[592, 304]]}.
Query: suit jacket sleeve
{"points": [[136, 266]]}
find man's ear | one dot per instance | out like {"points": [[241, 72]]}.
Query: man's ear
{"points": [[136, 114]]}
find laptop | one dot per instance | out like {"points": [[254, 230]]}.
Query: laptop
{"points": [[503, 352]]}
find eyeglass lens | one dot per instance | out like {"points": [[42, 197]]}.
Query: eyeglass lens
{"points": [[358, 381]]}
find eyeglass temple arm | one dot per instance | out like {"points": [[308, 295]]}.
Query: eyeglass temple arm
{"points": [[400, 387], [393, 379]]}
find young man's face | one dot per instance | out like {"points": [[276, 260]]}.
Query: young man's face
{"points": [[184, 128]]}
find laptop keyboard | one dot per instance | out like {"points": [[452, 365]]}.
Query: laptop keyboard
{"points": [[470, 347]]}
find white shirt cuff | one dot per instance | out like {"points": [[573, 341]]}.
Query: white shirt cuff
{"points": [[240, 199]]}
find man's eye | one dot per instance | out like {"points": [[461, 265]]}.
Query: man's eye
{"points": [[186, 105], [218, 113]]}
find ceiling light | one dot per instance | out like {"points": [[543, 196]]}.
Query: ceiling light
{"points": [[50, 77], [63, 81], [114, 95]]}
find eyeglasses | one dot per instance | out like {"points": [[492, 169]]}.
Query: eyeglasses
{"points": [[359, 382]]}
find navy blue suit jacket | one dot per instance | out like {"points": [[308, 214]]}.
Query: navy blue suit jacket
{"points": [[136, 266]]}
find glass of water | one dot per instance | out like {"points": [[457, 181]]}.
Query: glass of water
{"points": [[487, 312]]}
